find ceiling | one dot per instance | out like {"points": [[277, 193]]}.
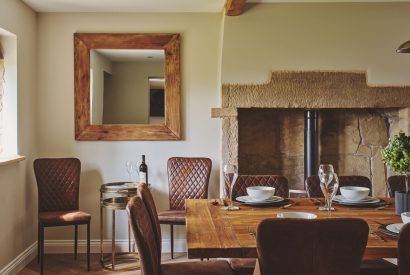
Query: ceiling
{"points": [[153, 5], [126, 55]]}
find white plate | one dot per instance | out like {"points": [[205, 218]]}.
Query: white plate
{"points": [[296, 215], [247, 199], [369, 200], [394, 227]]}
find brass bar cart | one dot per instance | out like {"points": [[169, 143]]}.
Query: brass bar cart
{"points": [[115, 196]]}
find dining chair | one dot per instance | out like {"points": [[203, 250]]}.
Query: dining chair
{"points": [[188, 178], [320, 247], [245, 266], [404, 250], [244, 181], [395, 183], [58, 184], [149, 253], [312, 184]]}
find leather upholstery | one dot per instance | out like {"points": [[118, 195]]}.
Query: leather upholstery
{"points": [[58, 182], [196, 268], [378, 267], [244, 181], [172, 216], [60, 217], [396, 183], [320, 247], [145, 236], [404, 250], [145, 194], [242, 266], [149, 253], [313, 184], [188, 178]]}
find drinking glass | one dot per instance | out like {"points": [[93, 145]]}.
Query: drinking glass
{"points": [[130, 168], [230, 175], [326, 174]]}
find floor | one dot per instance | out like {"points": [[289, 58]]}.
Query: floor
{"points": [[65, 264]]}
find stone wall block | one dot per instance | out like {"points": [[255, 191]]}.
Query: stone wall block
{"points": [[374, 130], [378, 173]]}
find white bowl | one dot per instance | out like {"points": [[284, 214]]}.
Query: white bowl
{"points": [[296, 215], [260, 193], [405, 217], [354, 193]]}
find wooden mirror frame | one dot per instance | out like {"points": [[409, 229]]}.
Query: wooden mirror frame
{"points": [[84, 130]]}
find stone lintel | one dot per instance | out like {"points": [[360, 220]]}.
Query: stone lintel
{"points": [[224, 112]]}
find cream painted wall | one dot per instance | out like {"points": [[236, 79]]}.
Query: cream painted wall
{"points": [[104, 161], [98, 64], [18, 194], [129, 100], [348, 36]]}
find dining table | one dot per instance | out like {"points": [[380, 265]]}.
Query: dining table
{"points": [[213, 232]]}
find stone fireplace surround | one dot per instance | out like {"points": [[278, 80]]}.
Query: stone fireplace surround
{"points": [[262, 127]]}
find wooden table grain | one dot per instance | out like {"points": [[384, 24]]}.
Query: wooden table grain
{"points": [[215, 233]]}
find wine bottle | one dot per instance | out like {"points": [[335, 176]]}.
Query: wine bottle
{"points": [[143, 171]]}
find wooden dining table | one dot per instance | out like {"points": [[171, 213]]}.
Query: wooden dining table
{"points": [[213, 232]]}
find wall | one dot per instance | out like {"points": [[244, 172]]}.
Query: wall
{"points": [[129, 101], [98, 64], [18, 189], [349, 36], [104, 161]]}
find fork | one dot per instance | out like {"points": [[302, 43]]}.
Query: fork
{"points": [[252, 232], [376, 234]]}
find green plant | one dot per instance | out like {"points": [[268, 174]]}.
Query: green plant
{"points": [[397, 155]]}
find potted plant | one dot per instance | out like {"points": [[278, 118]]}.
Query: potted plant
{"points": [[397, 156]]}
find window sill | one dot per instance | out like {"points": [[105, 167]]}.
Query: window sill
{"points": [[5, 160]]}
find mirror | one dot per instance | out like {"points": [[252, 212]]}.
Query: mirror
{"points": [[127, 86]]}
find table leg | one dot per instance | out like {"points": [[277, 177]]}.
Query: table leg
{"points": [[101, 232], [113, 240]]}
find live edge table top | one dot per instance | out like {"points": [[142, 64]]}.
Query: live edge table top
{"points": [[216, 233]]}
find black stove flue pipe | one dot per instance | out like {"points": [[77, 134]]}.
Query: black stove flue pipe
{"points": [[311, 142]]}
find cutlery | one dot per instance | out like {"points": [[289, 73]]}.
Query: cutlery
{"points": [[377, 235], [252, 232], [287, 205], [382, 207]]}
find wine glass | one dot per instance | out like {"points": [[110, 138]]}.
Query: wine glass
{"points": [[130, 168], [326, 174], [230, 175]]}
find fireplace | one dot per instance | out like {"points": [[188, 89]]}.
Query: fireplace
{"points": [[264, 125]]}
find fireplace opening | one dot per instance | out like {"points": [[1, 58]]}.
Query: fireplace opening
{"points": [[272, 141]]}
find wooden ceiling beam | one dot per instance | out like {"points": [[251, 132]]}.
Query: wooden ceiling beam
{"points": [[234, 7]]}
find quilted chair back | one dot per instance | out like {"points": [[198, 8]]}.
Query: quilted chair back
{"points": [[188, 178], [243, 181], [320, 247], [396, 183], [144, 235], [58, 183]]}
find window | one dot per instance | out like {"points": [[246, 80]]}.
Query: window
{"points": [[8, 95]]}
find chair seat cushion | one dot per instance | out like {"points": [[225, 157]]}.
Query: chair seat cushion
{"points": [[58, 217], [198, 268], [172, 216], [242, 266], [378, 267]]}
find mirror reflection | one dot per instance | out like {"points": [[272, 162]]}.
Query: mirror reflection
{"points": [[126, 86]]}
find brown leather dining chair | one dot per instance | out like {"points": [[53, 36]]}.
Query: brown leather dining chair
{"points": [[320, 247], [395, 183], [150, 254], [188, 178], [244, 181], [245, 266], [58, 182], [313, 184]]}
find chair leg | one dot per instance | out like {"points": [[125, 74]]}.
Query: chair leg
{"points": [[41, 249], [38, 243], [88, 246], [172, 241], [75, 241]]}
